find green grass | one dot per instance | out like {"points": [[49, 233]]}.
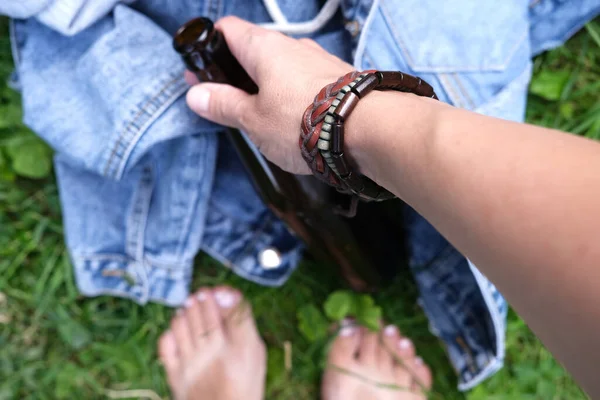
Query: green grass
{"points": [[57, 344]]}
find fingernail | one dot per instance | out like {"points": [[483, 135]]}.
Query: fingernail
{"points": [[225, 299], [199, 98], [201, 296], [347, 331], [418, 361], [404, 344], [390, 330], [188, 302]]}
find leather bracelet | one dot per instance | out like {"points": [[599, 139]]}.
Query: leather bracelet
{"points": [[322, 138]]}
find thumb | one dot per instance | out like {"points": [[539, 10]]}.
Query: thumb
{"points": [[220, 103]]}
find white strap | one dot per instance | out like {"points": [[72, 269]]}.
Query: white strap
{"points": [[299, 28]]}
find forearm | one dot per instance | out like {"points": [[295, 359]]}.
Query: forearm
{"points": [[519, 201]]}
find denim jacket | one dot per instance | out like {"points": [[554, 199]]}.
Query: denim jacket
{"points": [[145, 184]]}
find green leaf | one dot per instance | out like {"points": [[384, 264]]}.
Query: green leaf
{"points": [[338, 305], [366, 312], [311, 323], [567, 110], [31, 157], [10, 115], [549, 84], [6, 174]]}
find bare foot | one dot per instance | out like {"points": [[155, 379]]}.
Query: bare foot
{"points": [[213, 350], [381, 366]]}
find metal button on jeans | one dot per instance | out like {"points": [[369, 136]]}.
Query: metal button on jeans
{"points": [[269, 258]]}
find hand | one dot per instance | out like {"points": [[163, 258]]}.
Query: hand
{"points": [[288, 72]]}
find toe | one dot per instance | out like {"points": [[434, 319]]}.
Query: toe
{"points": [[167, 351], [344, 347], [182, 335], [369, 347], [387, 349], [422, 379], [404, 350], [211, 316], [193, 314], [236, 315]]}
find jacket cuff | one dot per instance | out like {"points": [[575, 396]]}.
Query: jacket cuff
{"points": [[70, 17]]}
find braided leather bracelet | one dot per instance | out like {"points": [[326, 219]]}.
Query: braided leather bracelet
{"points": [[322, 137]]}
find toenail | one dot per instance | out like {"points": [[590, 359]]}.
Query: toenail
{"points": [[390, 330], [225, 299], [347, 322], [404, 344], [188, 303], [419, 361], [201, 296], [347, 331]]}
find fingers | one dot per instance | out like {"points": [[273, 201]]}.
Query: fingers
{"points": [[246, 42], [223, 104], [190, 78]]}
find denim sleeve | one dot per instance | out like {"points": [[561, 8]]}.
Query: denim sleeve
{"points": [[68, 17], [97, 97]]}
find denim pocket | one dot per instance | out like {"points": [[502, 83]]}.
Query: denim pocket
{"points": [[469, 51], [465, 36]]}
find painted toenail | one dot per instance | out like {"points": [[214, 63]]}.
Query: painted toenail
{"points": [[390, 330], [404, 344], [201, 296], [419, 361], [188, 303], [347, 331], [225, 299]]}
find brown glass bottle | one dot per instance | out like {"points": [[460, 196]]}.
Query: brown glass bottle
{"points": [[303, 203], [206, 54]]}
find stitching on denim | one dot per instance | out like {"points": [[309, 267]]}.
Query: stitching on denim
{"points": [[154, 110], [442, 68], [399, 40], [136, 223], [455, 297], [100, 257], [187, 224], [496, 320], [461, 88], [490, 106], [440, 258], [16, 54], [362, 40], [449, 88], [134, 291], [370, 61], [136, 124], [256, 234], [136, 228], [166, 265]]}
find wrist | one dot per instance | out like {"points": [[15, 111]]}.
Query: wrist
{"points": [[389, 130]]}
